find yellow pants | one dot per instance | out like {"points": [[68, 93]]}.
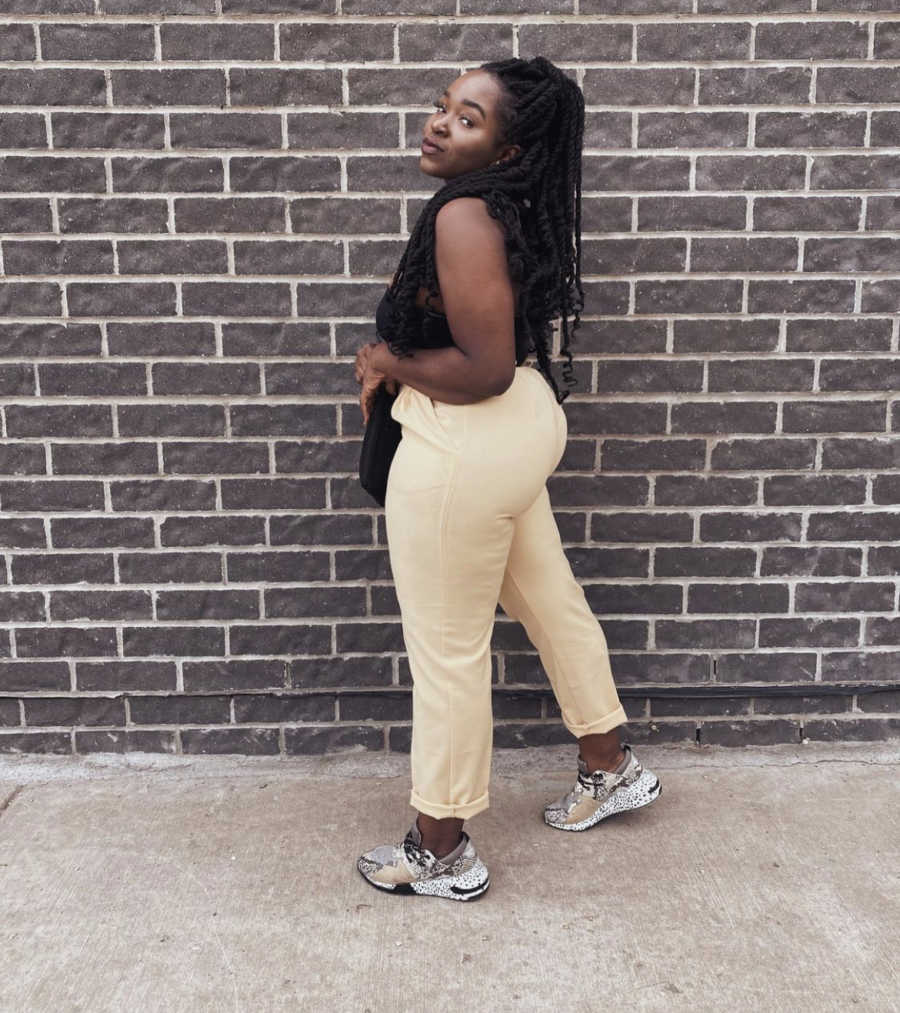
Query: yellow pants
{"points": [[469, 524]]}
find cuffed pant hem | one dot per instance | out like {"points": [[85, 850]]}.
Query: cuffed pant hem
{"points": [[440, 812], [606, 724]]}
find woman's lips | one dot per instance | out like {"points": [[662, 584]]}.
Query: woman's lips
{"points": [[429, 149]]}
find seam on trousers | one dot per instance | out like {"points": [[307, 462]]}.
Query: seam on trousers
{"points": [[442, 558], [543, 630]]}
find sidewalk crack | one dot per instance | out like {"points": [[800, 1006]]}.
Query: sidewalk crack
{"points": [[5, 804]]}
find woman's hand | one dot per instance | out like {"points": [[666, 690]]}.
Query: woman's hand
{"points": [[370, 377]]}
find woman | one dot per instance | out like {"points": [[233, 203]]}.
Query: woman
{"points": [[490, 263]]}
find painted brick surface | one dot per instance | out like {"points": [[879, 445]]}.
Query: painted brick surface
{"points": [[200, 204]]}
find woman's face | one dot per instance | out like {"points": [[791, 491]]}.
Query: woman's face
{"points": [[465, 126]]}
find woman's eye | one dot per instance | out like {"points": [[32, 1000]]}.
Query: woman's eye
{"points": [[440, 105]]}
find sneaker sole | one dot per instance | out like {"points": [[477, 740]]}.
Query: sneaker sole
{"points": [[469, 886], [646, 789]]}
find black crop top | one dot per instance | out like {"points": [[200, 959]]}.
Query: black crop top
{"points": [[435, 331]]}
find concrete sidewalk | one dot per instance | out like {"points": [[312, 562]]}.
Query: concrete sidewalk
{"points": [[764, 878]]}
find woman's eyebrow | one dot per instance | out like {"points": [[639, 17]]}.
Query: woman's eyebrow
{"points": [[468, 102]]}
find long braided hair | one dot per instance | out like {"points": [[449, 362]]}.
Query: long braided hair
{"points": [[536, 197]]}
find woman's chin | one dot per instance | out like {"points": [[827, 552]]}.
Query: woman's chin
{"points": [[428, 168]]}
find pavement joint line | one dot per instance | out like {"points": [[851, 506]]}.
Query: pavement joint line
{"points": [[39, 770]]}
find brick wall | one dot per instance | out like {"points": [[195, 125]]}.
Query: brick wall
{"points": [[202, 201]]}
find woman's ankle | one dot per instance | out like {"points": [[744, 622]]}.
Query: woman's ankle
{"points": [[439, 836]]}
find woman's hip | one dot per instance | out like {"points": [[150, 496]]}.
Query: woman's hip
{"points": [[514, 439]]}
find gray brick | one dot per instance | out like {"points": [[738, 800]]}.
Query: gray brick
{"points": [[645, 254], [99, 605], [107, 130], [881, 526], [112, 215], [182, 338], [689, 296], [750, 527], [29, 299], [16, 42], [33, 642], [852, 729], [791, 560], [164, 175], [271, 639], [53, 174], [601, 41], [858, 85], [51, 495], [285, 174], [265, 87], [783, 490], [102, 532], [752, 6], [637, 86], [726, 41], [817, 40], [319, 707], [695, 490], [259, 299], [121, 299], [706, 562], [39, 340], [694, 213], [751, 732], [251, 741], [176, 256], [219, 42], [834, 416], [104, 459], [192, 87], [97, 42], [724, 416], [25, 214], [288, 257], [865, 172], [507, 6], [22, 130], [737, 598], [881, 297], [276, 6], [52, 87], [833, 596], [157, 7], [171, 420], [810, 130], [340, 738], [62, 257], [794, 214], [693, 130], [859, 335], [229, 214], [755, 85], [336, 42], [225, 130], [760, 374], [125, 675], [23, 607]]}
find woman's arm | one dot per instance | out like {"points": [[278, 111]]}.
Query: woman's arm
{"points": [[473, 276], [445, 374]]}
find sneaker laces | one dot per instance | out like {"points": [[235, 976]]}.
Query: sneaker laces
{"points": [[415, 855], [599, 781]]}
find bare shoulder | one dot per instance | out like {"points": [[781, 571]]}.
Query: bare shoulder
{"points": [[462, 214]]}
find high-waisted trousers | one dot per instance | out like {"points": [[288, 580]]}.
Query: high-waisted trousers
{"points": [[469, 524]]}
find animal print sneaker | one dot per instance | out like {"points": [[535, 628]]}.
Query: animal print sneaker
{"points": [[602, 793], [410, 868]]}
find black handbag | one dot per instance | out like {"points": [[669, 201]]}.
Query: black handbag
{"points": [[382, 437]]}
